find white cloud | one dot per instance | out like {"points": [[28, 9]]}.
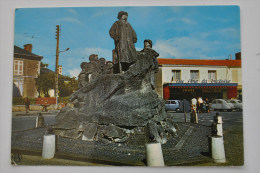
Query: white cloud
{"points": [[185, 48], [229, 32], [73, 11], [183, 20], [69, 19], [74, 72]]}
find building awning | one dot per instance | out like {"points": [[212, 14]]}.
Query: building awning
{"points": [[201, 85]]}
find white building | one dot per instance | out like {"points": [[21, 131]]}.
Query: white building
{"points": [[186, 78]]}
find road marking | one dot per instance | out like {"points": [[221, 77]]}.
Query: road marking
{"points": [[183, 139]]}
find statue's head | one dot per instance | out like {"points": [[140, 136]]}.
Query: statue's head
{"points": [[148, 43], [123, 15], [93, 57], [102, 60], [110, 64], [83, 65]]}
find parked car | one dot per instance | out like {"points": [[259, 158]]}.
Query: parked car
{"points": [[172, 105], [236, 103], [221, 104]]}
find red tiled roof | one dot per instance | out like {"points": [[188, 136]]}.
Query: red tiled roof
{"points": [[230, 63]]}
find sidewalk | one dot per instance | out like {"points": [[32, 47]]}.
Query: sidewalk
{"points": [[34, 113]]}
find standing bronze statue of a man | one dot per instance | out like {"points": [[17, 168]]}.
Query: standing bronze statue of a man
{"points": [[148, 44], [124, 37]]}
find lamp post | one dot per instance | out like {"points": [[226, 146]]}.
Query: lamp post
{"points": [[57, 63]]}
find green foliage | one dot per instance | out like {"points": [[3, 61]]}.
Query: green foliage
{"points": [[44, 83], [20, 101], [44, 65], [67, 86], [64, 100]]}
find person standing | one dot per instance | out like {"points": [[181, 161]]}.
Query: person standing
{"points": [[207, 104], [27, 105], [194, 104], [124, 37], [200, 105]]}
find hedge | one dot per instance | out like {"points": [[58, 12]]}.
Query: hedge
{"points": [[20, 100]]}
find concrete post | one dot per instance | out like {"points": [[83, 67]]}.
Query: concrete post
{"points": [[154, 155], [40, 121], [49, 146], [217, 149], [218, 125], [194, 117], [219, 130]]}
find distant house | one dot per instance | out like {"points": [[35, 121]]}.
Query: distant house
{"points": [[26, 68]]}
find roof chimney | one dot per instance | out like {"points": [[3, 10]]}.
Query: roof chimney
{"points": [[28, 47], [238, 56]]}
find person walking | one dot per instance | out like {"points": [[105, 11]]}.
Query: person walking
{"points": [[27, 105]]}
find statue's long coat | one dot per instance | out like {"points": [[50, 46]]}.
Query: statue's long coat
{"points": [[124, 37]]}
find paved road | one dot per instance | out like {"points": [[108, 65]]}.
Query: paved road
{"points": [[20, 123], [228, 118]]}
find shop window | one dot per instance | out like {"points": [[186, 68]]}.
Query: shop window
{"points": [[194, 74], [176, 75], [212, 75], [18, 67]]}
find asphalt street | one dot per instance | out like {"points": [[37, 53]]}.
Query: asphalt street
{"points": [[20, 123], [228, 118]]}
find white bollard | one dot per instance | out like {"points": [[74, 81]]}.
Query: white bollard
{"points": [[217, 149], [218, 119], [219, 129], [154, 155], [48, 149]]}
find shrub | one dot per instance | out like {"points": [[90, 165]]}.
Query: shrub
{"points": [[20, 101], [64, 100]]}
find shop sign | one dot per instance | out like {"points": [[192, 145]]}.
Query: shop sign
{"points": [[204, 81]]}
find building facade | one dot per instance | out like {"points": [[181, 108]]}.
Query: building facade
{"points": [[26, 68], [187, 78]]}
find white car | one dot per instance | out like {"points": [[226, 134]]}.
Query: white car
{"points": [[221, 104], [236, 103]]}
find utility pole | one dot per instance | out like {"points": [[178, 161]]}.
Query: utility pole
{"points": [[57, 64]]}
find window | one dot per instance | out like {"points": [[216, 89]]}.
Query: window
{"points": [[18, 67], [212, 75], [173, 102], [194, 74], [176, 75]]}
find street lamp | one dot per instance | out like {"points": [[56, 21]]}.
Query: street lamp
{"points": [[57, 73]]}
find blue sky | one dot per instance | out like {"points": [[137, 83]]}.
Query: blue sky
{"points": [[181, 32]]}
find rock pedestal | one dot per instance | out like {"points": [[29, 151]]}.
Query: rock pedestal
{"points": [[112, 107]]}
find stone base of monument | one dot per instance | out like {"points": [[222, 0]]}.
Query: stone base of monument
{"points": [[184, 149]]}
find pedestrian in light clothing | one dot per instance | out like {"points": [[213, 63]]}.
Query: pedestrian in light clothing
{"points": [[200, 105], [194, 104], [27, 104]]}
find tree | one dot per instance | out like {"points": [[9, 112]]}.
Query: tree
{"points": [[44, 83], [44, 65], [67, 86]]}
